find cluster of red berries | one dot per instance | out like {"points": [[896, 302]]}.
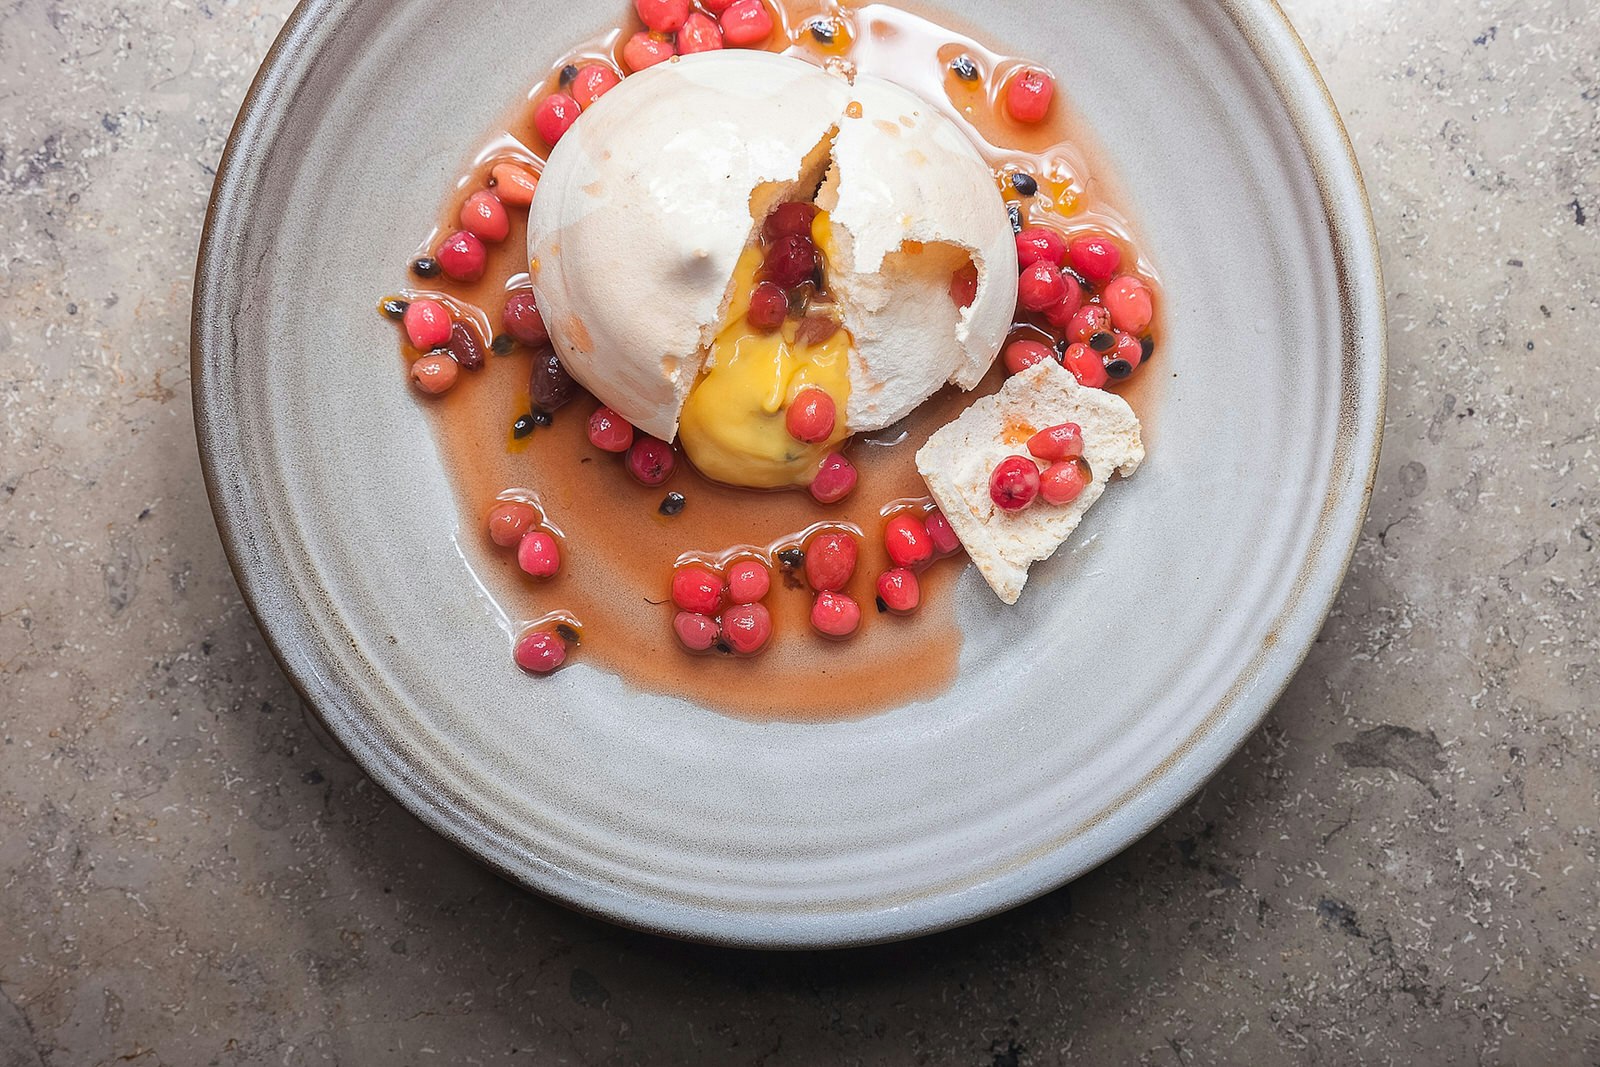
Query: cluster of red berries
{"points": [[1079, 290], [517, 525], [650, 460], [1018, 481], [722, 609], [914, 541], [677, 28]]}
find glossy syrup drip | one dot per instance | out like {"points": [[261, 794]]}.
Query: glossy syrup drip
{"points": [[619, 549]]}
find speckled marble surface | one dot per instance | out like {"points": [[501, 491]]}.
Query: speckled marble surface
{"points": [[1400, 867]]}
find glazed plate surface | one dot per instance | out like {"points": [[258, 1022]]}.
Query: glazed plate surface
{"points": [[1137, 662]]}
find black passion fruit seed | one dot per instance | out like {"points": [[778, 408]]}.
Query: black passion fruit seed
{"points": [[1147, 348], [394, 307], [502, 344], [1015, 211], [522, 427], [542, 418], [792, 557], [1104, 341], [1118, 369], [425, 267], [964, 68], [672, 504], [1024, 184], [569, 74], [822, 30]]}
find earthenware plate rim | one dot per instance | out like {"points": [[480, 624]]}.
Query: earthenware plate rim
{"points": [[1312, 112]]}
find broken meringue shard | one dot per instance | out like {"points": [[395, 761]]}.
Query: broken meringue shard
{"points": [[650, 203]]}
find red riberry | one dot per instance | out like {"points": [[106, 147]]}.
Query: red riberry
{"points": [[651, 460], [485, 217], [1086, 365], [697, 589], [812, 416], [1014, 483], [1064, 482], [508, 521], [1095, 256], [1055, 443], [554, 117], [790, 260], [435, 374], [521, 319], [1125, 357], [746, 23], [1086, 322], [697, 633], [748, 581], [663, 16], [1060, 313], [1130, 303], [941, 533], [427, 324], [1041, 286], [1028, 95], [1020, 355], [609, 432], [747, 628], [645, 50], [716, 7], [831, 560], [1036, 244], [790, 219], [462, 257], [593, 82], [964, 286], [540, 652], [699, 34], [539, 554], [899, 591], [835, 615], [907, 541], [836, 479], [769, 306]]}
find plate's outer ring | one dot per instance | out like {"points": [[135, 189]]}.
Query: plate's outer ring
{"points": [[1261, 678]]}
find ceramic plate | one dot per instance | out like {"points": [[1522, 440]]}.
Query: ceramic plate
{"points": [[1136, 664]]}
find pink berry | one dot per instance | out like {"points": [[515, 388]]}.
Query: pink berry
{"points": [[1020, 355], [698, 633], [521, 319], [462, 257], [645, 50], [540, 652], [769, 306], [509, 521], [435, 373], [1055, 443], [485, 217], [699, 34], [651, 460], [790, 260], [748, 581], [554, 117], [1028, 95], [836, 479], [1089, 320], [907, 541], [747, 628], [609, 432], [1060, 313], [964, 286], [697, 589], [899, 591], [812, 417], [538, 554], [791, 219], [835, 615], [1014, 483], [1125, 358], [593, 81], [941, 533], [1087, 365], [831, 560], [746, 23], [1095, 257], [1130, 303], [427, 324], [1036, 244], [1064, 482], [1041, 286], [663, 16]]}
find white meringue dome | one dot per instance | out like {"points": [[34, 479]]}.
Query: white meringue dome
{"points": [[649, 202]]}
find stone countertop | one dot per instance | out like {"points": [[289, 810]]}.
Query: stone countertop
{"points": [[1400, 866]]}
